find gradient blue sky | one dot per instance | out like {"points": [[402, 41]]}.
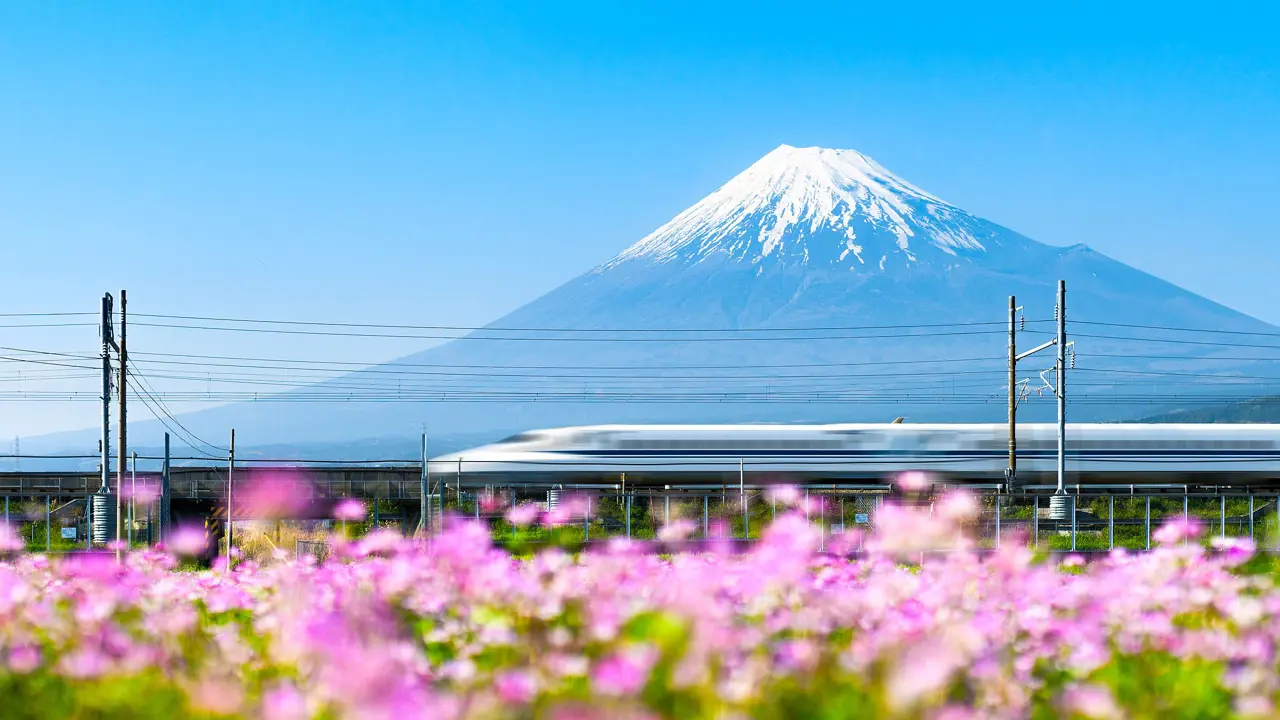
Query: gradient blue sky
{"points": [[444, 163]]}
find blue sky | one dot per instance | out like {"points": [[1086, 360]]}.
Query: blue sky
{"points": [[444, 163]]}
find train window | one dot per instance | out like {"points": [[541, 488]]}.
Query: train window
{"points": [[523, 437]]}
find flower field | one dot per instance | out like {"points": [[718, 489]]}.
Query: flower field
{"points": [[457, 628]]}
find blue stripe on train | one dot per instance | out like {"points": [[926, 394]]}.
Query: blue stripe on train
{"points": [[1089, 454]]}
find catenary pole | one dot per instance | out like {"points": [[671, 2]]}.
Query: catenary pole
{"points": [[424, 503], [105, 446], [1013, 397], [231, 469], [123, 394], [166, 490], [1062, 389]]}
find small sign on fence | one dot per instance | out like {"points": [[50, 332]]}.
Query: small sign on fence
{"points": [[69, 533], [861, 518]]}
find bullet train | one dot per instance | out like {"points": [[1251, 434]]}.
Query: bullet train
{"points": [[713, 454]]}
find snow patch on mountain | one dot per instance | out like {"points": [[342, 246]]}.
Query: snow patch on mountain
{"points": [[812, 206]]}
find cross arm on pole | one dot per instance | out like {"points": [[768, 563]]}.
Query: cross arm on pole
{"points": [[1037, 349]]}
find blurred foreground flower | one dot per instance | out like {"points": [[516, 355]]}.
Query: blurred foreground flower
{"points": [[187, 541], [523, 514], [1177, 530], [350, 510]]}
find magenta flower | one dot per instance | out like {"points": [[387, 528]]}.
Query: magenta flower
{"points": [[1090, 701], [523, 514], [913, 481], [273, 496], [515, 687], [187, 541], [622, 673], [784, 494], [10, 541], [1178, 530], [350, 510]]}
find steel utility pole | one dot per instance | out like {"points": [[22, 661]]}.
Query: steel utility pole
{"points": [[1013, 394], [123, 395], [1062, 387], [165, 518], [108, 342], [1014, 356], [424, 503]]}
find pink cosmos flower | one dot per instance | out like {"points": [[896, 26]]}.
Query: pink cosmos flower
{"points": [[24, 658], [491, 502], [188, 541], [273, 496], [1233, 550], [622, 673], [1090, 701], [677, 531], [10, 541], [1177, 530], [350, 510], [913, 481], [523, 514], [284, 702], [784, 494], [516, 687]]}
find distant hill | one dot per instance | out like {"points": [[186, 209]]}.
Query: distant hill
{"points": [[1257, 410]]}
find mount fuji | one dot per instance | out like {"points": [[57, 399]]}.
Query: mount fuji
{"points": [[814, 286]]}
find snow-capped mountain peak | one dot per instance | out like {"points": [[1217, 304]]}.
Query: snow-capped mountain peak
{"points": [[814, 206]]}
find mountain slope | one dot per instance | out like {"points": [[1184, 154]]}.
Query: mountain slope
{"points": [[814, 286]]}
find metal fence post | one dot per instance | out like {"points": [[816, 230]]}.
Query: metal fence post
{"points": [[706, 517], [1147, 521], [1186, 512], [997, 521], [822, 525], [1035, 522], [1072, 499], [1251, 516], [666, 513], [628, 516], [586, 522], [48, 521], [1222, 517], [1111, 521]]}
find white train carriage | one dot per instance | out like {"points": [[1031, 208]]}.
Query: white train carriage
{"points": [[663, 454]]}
